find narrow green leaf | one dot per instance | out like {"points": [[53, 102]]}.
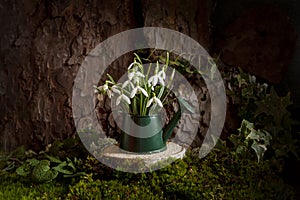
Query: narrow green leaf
{"points": [[111, 78], [186, 105], [53, 159]]}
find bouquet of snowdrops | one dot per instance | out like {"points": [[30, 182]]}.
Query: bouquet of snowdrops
{"points": [[144, 92]]}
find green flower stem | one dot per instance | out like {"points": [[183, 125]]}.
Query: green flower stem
{"points": [[148, 72], [141, 104], [134, 109]]}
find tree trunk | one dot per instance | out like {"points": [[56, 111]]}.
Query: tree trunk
{"points": [[43, 44]]}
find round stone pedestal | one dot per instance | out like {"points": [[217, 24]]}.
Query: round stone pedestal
{"points": [[173, 151]]}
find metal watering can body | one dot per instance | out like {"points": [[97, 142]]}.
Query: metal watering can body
{"points": [[146, 134]]}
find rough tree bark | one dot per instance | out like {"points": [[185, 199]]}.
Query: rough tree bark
{"points": [[43, 44]]}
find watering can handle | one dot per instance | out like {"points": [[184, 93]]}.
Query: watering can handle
{"points": [[173, 122]]}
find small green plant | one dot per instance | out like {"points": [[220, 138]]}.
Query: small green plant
{"points": [[273, 116], [245, 92], [46, 170], [261, 105], [249, 137]]}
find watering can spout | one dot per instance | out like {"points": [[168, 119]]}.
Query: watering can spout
{"points": [[168, 130]]}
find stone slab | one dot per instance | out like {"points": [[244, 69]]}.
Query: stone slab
{"points": [[173, 151]]}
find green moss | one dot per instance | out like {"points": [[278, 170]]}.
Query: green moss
{"points": [[13, 187], [222, 175]]}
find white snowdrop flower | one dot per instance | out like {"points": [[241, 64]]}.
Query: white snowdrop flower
{"points": [[153, 80], [161, 80], [115, 89], [109, 93], [97, 89], [126, 83], [158, 78], [136, 80], [162, 74], [103, 87], [139, 74], [154, 100], [130, 75], [135, 77], [123, 97], [137, 90]]}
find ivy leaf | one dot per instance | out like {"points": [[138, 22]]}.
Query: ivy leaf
{"points": [[246, 127], [274, 105], [259, 149], [253, 135]]}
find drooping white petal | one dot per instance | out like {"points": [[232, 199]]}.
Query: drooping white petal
{"points": [[161, 80], [149, 103], [133, 92], [104, 87], [139, 74], [125, 83], [143, 91], [157, 100], [125, 98], [131, 75], [162, 74], [131, 65], [154, 100], [109, 94], [153, 79], [118, 101], [115, 89], [138, 89]]}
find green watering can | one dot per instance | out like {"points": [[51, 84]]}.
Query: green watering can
{"points": [[144, 134]]}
